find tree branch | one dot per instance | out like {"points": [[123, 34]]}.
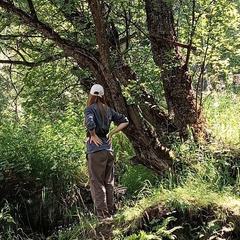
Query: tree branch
{"points": [[84, 58], [158, 39], [9, 37], [33, 64], [32, 9]]}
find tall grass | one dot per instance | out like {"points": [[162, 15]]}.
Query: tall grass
{"points": [[222, 110], [42, 171]]}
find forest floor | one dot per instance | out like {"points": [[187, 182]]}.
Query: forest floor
{"points": [[154, 221]]}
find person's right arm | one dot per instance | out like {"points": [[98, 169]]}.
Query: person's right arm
{"points": [[121, 122], [118, 128], [115, 130]]}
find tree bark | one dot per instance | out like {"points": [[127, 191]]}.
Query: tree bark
{"points": [[177, 82], [149, 151]]}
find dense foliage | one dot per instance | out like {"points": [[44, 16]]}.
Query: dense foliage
{"points": [[44, 187]]}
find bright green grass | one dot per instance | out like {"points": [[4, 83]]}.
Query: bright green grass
{"points": [[222, 110], [193, 195]]}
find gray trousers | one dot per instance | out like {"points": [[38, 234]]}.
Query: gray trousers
{"points": [[101, 174]]}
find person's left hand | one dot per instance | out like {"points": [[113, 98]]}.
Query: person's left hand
{"points": [[96, 140]]}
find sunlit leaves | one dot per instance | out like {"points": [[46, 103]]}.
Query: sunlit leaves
{"points": [[216, 33]]}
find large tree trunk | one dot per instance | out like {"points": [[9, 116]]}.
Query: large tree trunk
{"points": [[180, 97], [149, 151]]}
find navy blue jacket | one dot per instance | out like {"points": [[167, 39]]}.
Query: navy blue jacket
{"points": [[94, 120]]}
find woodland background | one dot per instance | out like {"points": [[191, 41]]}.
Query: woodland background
{"points": [[171, 66]]}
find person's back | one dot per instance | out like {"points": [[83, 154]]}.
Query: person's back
{"points": [[98, 118], [94, 120]]}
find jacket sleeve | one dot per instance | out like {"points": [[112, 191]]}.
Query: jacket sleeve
{"points": [[118, 118], [89, 118]]}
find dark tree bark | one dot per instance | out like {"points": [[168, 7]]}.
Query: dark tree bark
{"points": [[180, 97], [149, 151]]}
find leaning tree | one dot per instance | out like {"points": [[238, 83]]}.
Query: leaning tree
{"points": [[87, 32]]}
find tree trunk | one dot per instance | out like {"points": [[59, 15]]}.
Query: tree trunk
{"points": [[179, 94], [149, 151]]}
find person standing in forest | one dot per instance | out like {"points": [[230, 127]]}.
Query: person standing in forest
{"points": [[100, 159]]}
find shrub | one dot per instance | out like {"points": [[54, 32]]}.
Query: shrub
{"points": [[42, 169]]}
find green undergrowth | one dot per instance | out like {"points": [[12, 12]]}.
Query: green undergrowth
{"points": [[45, 190], [182, 202], [198, 199], [222, 110], [173, 212]]}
